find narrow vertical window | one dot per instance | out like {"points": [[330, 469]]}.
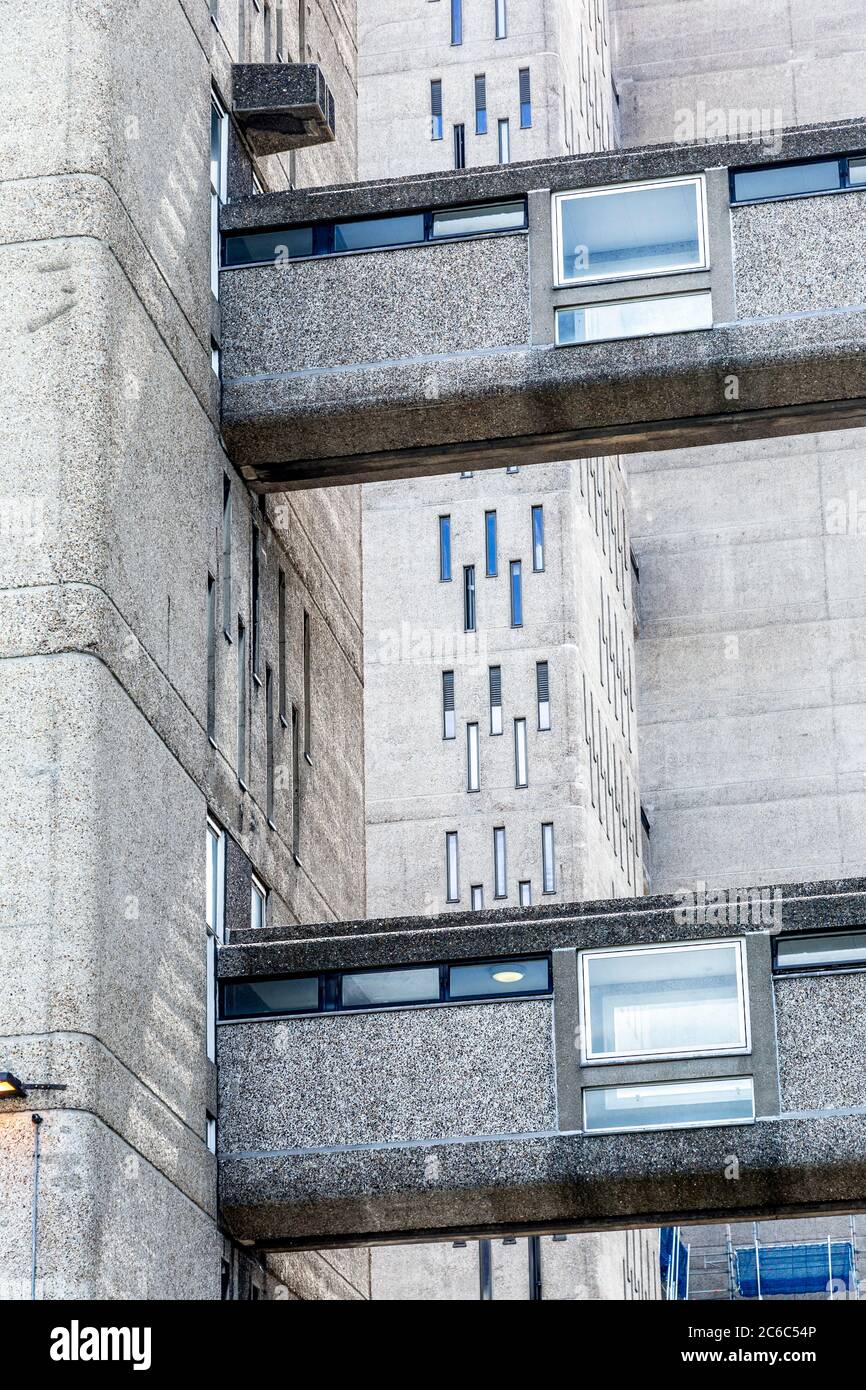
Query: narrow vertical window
{"points": [[268, 35], [281, 643], [308, 691], [214, 8], [256, 601], [280, 49], [477, 896], [211, 657], [521, 775], [504, 141], [214, 879], [227, 556], [242, 703], [525, 887], [452, 883], [538, 538], [258, 903], [469, 597], [269, 743], [490, 542], [436, 109], [456, 21], [460, 146], [495, 674], [542, 686], [516, 594], [444, 549], [548, 865], [480, 104], [218, 165], [296, 785], [448, 724], [525, 99], [500, 874], [473, 771], [500, 19]]}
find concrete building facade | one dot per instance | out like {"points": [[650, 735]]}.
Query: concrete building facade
{"points": [[163, 634]]}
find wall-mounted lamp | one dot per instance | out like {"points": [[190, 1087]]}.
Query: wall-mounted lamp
{"points": [[10, 1087]]}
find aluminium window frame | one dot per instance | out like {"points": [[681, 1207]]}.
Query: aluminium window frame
{"points": [[260, 890], [786, 972], [591, 1059], [658, 1083], [605, 190], [618, 302], [845, 184]]}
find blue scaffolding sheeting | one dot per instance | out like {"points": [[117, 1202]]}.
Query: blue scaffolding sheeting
{"points": [[793, 1269], [673, 1263]]}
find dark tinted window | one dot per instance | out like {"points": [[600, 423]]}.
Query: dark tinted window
{"points": [[370, 987], [285, 244], [498, 977], [787, 180], [379, 231], [249, 998]]}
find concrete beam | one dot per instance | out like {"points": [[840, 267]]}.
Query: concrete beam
{"points": [[282, 106]]}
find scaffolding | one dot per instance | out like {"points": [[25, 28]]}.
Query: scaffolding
{"points": [[777, 1268]]}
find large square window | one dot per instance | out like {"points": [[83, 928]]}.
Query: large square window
{"points": [[664, 1001], [669, 1105], [626, 231]]}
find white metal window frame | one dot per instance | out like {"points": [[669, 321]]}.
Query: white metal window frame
{"points": [[605, 190], [521, 754], [452, 867], [672, 1124], [739, 1049], [215, 839], [500, 863], [473, 758], [258, 890]]}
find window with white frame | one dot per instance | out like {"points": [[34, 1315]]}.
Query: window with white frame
{"points": [[726, 1100], [630, 230], [495, 682], [219, 133], [634, 318], [542, 686], [664, 1001], [473, 771], [525, 890], [500, 19], [258, 903], [548, 859], [215, 879], [477, 896], [449, 728], [504, 129], [521, 772], [452, 882], [500, 873]]}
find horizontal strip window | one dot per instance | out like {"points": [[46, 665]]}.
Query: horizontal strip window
{"points": [[283, 244], [821, 951], [669, 1105], [634, 318], [664, 1001], [341, 991], [803, 179], [630, 230]]}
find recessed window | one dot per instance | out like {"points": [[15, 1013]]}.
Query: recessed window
{"points": [[476, 896], [258, 903], [525, 892], [490, 543], [663, 1001], [504, 141], [548, 859], [634, 318], [219, 131], [542, 683], [257, 248], [452, 882], [499, 977], [492, 217], [308, 690], [227, 556], [211, 657], [538, 538], [473, 773], [449, 729], [269, 745], [525, 98], [800, 179], [521, 773], [469, 598], [256, 600], [375, 232], [296, 786], [436, 109], [822, 951], [500, 19], [371, 988], [856, 172], [460, 146], [444, 549], [480, 104], [669, 1105], [500, 873], [249, 998], [242, 703], [456, 21], [632, 230], [495, 682], [215, 879], [516, 593]]}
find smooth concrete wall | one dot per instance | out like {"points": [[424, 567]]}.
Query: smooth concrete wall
{"points": [[111, 487]]}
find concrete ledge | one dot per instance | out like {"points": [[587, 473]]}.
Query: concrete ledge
{"points": [[282, 106]]}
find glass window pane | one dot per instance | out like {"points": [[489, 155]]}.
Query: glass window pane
{"points": [[548, 863], [473, 776], [824, 951], [389, 987], [469, 598], [452, 885], [248, 999], [635, 318], [476, 894], [516, 595], [445, 548], [500, 877], [379, 231], [490, 542], [273, 247], [786, 180], [668, 1105], [631, 231], [494, 217], [498, 977], [525, 893], [658, 1001], [520, 770], [538, 538], [857, 171]]}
